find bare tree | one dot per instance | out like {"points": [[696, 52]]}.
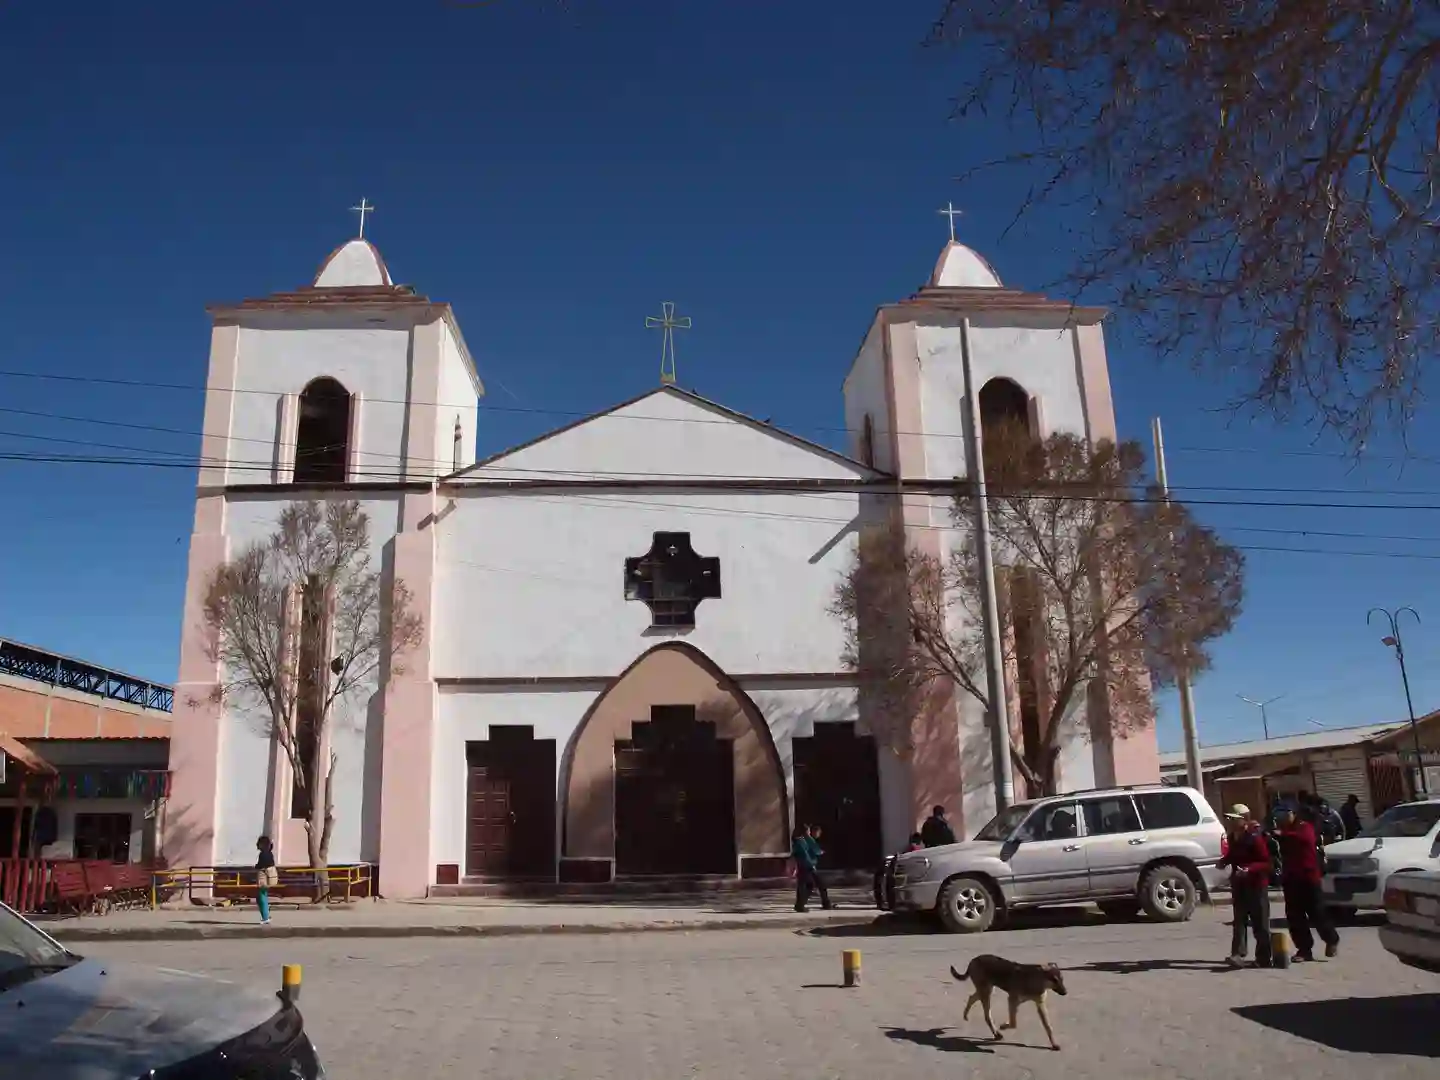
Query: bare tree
{"points": [[300, 625], [1261, 177], [1098, 581]]}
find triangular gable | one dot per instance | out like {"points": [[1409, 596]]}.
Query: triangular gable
{"points": [[665, 434]]}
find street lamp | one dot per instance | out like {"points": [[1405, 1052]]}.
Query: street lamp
{"points": [[1398, 644], [1262, 706]]}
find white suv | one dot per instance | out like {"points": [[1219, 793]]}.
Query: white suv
{"points": [[1405, 837], [1152, 847]]}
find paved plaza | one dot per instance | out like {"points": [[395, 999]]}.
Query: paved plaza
{"points": [[1144, 1000]]}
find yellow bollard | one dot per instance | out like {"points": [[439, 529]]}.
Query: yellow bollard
{"points": [[290, 983], [1279, 949], [850, 966]]}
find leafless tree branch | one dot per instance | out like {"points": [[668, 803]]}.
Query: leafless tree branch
{"points": [[1261, 178]]}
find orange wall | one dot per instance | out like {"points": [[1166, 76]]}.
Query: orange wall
{"points": [[29, 713]]}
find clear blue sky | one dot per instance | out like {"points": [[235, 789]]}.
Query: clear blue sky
{"points": [[555, 171]]}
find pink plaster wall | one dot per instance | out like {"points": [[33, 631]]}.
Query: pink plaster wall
{"points": [[195, 738], [935, 756], [406, 870], [1130, 744], [190, 823]]}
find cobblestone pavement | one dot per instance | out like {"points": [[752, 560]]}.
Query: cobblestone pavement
{"points": [[460, 917], [1144, 1000]]}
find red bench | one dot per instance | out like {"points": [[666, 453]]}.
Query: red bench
{"points": [[69, 890]]}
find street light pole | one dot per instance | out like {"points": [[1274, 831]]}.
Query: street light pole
{"points": [[1194, 774], [1262, 706], [1398, 644]]}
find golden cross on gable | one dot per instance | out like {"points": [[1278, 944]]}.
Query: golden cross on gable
{"points": [[667, 323]]}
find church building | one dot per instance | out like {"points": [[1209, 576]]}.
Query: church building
{"points": [[624, 671]]}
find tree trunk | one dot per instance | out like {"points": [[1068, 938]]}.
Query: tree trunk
{"points": [[317, 830]]}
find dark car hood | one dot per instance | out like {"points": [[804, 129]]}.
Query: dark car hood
{"points": [[97, 1021]]}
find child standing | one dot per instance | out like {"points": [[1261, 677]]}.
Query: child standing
{"points": [[266, 877]]}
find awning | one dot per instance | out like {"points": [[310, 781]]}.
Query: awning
{"points": [[1205, 770], [23, 756]]}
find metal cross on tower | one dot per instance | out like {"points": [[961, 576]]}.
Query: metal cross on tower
{"points": [[668, 324], [951, 213], [363, 209]]}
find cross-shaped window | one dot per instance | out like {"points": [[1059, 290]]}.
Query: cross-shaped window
{"points": [[671, 579]]}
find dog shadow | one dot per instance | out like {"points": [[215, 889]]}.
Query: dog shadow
{"points": [[936, 1039]]}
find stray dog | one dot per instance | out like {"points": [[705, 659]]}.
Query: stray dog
{"points": [[1023, 982]]}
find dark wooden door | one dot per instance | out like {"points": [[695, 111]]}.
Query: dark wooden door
{"points": [[837, 786], [490, 822], [674, 798], [510, 800]]}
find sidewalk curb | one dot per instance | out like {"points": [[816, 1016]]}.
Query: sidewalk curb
{"points": [[276, 930]]}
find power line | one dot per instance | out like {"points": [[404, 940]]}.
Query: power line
{"points": [[397, 458], [479, 406], [610, 501], [399, 474]]}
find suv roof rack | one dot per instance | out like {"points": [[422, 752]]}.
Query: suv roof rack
{"points": [[1109, 787]]}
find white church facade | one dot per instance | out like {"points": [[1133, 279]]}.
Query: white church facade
{"points": [[623, 672]]}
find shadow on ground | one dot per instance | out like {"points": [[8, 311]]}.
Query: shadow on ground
{"points": [[1137, 967], [1403, 1025], [936, 1039], [887, 925]]}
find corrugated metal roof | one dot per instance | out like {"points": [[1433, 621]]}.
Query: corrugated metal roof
{"points": [[28, 759], [1283, 744]]}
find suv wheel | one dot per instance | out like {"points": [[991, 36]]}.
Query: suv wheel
{"points": [[967, 906], [1167, 894]]}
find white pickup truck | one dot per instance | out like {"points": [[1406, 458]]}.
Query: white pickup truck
{"points": [[1405, 837], [1412, 911]]}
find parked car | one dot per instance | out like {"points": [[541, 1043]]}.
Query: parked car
{"points": [[67, 1017], [1152, 848], [1405, 837], [1412, 908]]}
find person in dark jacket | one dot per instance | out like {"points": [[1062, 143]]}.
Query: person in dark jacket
{"points": [[936, 831], [1249, 862], [1350, 815], [266, 877], [805, 850], [1304, 903]]}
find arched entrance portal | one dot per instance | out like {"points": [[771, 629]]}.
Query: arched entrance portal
{"points": [[674, 796], [673, 772]]}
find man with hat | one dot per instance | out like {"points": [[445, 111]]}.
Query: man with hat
{"points": [[1250, 868]]}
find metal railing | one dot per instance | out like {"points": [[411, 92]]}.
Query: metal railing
{"points": [[24, 883], [348, 882]]}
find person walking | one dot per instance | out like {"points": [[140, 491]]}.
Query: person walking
{"points": [[936, 831], [1350, 815], [805, 850], [885, 876], [1249, 862], [1304, 903], [266, 877]]}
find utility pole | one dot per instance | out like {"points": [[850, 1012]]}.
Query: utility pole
{"points": [[1262, 706], [1193, 775], [1398, 644], [989, 605]]}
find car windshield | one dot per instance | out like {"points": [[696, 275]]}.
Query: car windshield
{"points": [[1409, 820], [1004, 823], [25, 951]]}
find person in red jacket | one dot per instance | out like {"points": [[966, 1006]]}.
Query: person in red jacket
{"points": [[1249, 862], [1300, 878]]}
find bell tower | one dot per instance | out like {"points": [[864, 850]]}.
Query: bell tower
{"points": [[350, 387], [1031, 359]]}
